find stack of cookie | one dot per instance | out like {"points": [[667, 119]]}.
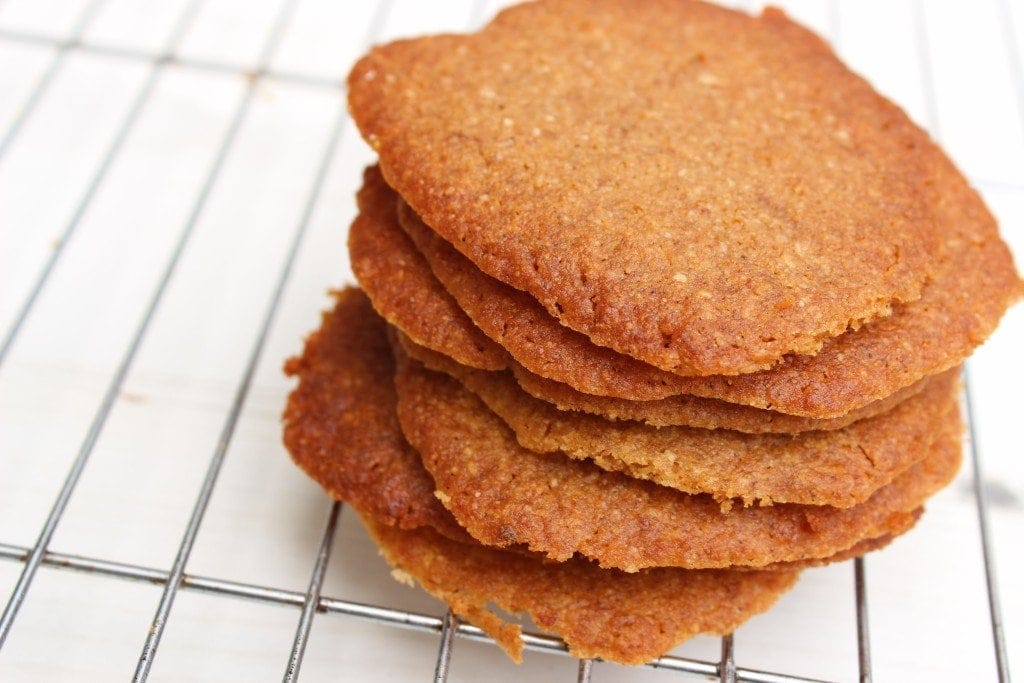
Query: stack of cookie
{"points": [[662, 303]]}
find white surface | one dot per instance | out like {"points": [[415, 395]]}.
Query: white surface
{"points": [[929, 616]]}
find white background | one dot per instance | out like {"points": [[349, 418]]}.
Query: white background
{"points": [[955, 66]]}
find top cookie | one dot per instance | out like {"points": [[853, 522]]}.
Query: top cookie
{"points": [[694, 187]]}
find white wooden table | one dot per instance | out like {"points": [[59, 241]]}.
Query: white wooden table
{"points": [[148, 207]]}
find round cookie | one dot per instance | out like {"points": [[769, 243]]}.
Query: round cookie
{"points": [[974, 284], [565, 368], [613, 615], [338, 372], [345, 384], [338, 432], [505, 495], [401, 287], [839, 468], [519, 329], [698, 188]]}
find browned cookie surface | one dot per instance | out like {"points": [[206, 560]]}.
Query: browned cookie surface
{"points": [[517, 322], [692, 186], [619, 617], [338, 429], [401, 287], [511, 318], [840, 468], [504, 494], [340, 425], [974, 283]]}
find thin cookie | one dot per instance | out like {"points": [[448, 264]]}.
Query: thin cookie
{"points": [[340, 386], [674, 411], [684, 183], [972, 288], [504, 495], [613, 615], [697, 411], [839, 468]]}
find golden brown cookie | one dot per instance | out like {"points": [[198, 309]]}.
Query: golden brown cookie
{"points": [[337, 431], [689, 185], [514, 320], [614, 615], [840, 468], [340, 386], [629, 618], [697, 411], [504, 494], [974, 284], [340, 425], [681, 410], [401, 287]]}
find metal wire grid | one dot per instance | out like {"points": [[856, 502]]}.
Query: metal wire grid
{"points": [[312, 602]]}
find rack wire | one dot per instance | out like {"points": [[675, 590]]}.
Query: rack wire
{"points": [[313, 602]]}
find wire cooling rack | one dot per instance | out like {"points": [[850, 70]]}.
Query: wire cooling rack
{"points": [[176, 179]]}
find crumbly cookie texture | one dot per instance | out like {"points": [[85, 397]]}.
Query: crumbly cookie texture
{"points": [[973, 285], [840, 468], [504, 495], [698, 188]]}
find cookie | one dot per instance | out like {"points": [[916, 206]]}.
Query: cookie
{"points": [[689, 185], [340, 425], [839, 468], [512, 319], [504, 494], [695, 411], [343, 377], [973, 286], [613, 615], [401, 287], [337, 432], [339, 374]]}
